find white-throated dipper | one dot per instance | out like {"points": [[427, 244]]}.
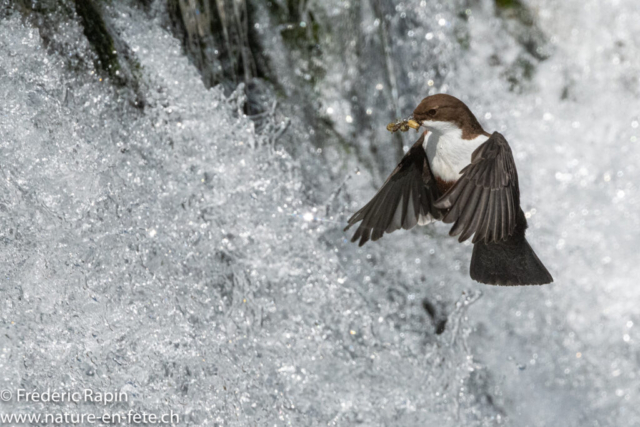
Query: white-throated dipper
{"points": [[458, 173]]}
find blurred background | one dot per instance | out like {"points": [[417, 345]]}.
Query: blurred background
{"points": [[176, 174]]}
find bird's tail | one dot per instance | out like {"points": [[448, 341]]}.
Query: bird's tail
{"points": [[508, 263]]}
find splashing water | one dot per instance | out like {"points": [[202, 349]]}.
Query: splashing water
{"points": [[176, 252]]}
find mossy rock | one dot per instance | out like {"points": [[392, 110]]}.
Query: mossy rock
{"points": [[508, 4], [98, 36], [521, 22]]}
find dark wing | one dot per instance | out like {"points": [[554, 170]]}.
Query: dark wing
{"points": [[405, 199], [486, 198]]}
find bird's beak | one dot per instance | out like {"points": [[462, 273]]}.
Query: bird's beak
{"points": [[413, 124]]}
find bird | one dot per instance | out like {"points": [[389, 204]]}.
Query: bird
{"points": [[459, 174]]}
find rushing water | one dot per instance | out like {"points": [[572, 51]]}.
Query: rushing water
{"points": [[180, 253]]}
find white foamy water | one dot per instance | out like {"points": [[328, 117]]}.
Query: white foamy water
{"points": [[175, 253]]}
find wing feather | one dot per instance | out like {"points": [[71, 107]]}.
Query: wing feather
{"points": [[406, 198], [483, 202]]}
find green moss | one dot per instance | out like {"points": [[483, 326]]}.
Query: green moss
{"points": [[527, 67], [145, 3], [98, 36], [293, 7], [508, 4], [463, 38], [514, 9], [295, 36], [300, 36], [305, 39], [520, 74]]}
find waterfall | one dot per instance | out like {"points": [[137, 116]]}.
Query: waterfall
{"points": [[175, 177]]}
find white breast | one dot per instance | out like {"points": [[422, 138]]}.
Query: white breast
{"points": [[448, 153]]}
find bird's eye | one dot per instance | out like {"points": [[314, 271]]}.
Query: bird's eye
{"points": [[432, 112]]}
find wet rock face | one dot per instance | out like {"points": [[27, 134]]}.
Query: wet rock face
{"points": [[216, 36], [347, 67], [112, 57], [341, 70], [520, 23], [99, 37]]}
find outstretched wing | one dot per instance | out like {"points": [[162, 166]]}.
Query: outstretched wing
{"points": [[405, 199], [486, 198]]}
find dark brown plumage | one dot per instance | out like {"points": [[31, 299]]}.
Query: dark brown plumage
{"points": [[406, 195], [483, 201], [446, 108]]}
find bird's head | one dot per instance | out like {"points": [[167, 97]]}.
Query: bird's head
{"points": [[444, 114]]}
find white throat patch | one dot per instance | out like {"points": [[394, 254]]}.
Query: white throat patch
{"points": [[447, 152]]}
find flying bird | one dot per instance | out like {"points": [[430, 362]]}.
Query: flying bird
{"points": [[458, 174]]}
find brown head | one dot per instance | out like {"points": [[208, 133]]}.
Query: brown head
{"points": [[444, 113]]}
